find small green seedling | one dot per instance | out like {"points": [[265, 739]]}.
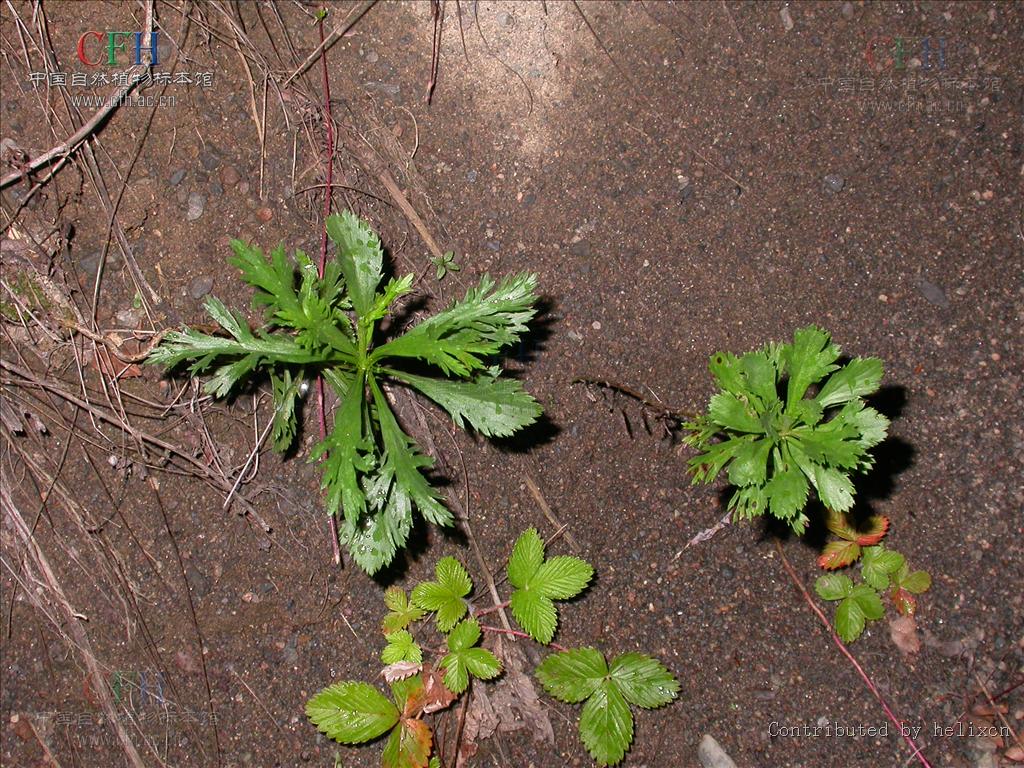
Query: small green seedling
{"points": [[356, 712], [373, 472], [444, 264], [788, 420]]}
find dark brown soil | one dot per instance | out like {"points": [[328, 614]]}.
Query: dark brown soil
{"points": [[684, 178]]}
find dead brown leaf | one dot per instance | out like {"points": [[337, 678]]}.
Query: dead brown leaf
{"points": [[903, 633], [400, 670]]}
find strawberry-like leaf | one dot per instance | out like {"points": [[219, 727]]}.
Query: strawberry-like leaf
{"points": [[839, 554]]}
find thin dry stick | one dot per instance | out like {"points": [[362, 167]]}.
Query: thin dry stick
{"points": [[546, 509], [846, 652], [321, 409], [99, 684], [327, 42], [997, 710]]}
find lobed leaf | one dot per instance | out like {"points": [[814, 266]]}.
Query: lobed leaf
{"points": [[573, 675]]}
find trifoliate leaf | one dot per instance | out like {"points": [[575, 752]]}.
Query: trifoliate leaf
{"points": [[855, 610], [401, 647], [833, 586], [859, 377], [493, 407], [572, 676], [463, 659], [879, 565], [606, 725], [538, 583], [408, 746], [446, 595], [360, 257], [351, 713], [869, 602], [643, 681], [527, 557], [401, 612]]}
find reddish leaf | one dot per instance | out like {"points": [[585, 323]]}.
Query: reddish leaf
{"points": [[838, 554], [435, 695], [837, 524], [877, 527], [905, 602], [408, 746]]}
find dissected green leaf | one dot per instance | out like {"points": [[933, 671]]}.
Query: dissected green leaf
{"points": [[446, 595], [775, 450], [643, 681], [360, 256], [373, 474], [493, 407], [351, 712], [461, 338]]}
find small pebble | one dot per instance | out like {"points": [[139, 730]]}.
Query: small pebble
{"points": [[834, 182], [933, 293], [596, 325], [196, 204], [177, 176], [471, 176], [229, 176], [847, 11], [505, 19], [200, 286], [264, 214], [787, 19], [209, 161], [372, 57]]}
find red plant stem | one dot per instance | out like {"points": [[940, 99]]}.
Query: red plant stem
{"points": [[856, 665], [517, 633], [329, 164], [492, 609]]}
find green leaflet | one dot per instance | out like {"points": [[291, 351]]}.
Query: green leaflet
{"points": [[446, 596], [352, 713], [373, 473]]}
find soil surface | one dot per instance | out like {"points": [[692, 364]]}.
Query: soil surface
{"points": [[684, 178]]}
